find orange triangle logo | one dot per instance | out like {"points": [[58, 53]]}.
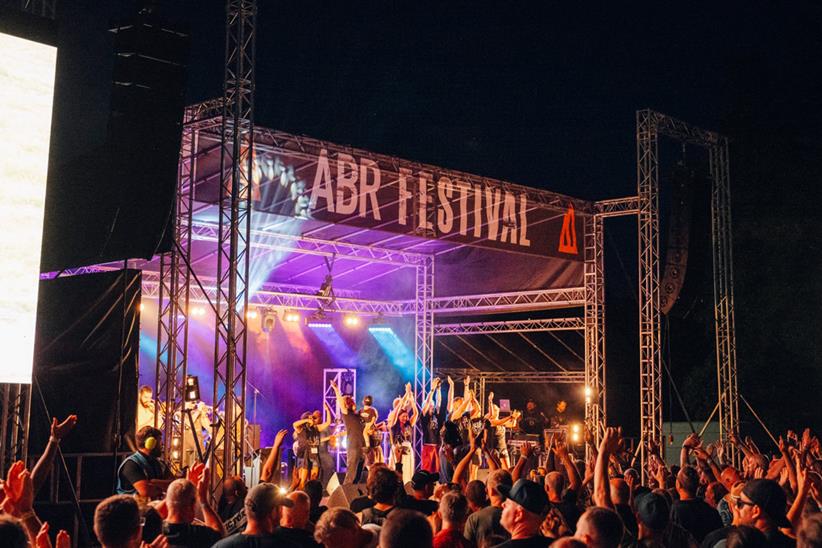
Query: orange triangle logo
{"points": [[568, 236]]}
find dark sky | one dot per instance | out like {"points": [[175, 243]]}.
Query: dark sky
{"points": [[546, 96]]}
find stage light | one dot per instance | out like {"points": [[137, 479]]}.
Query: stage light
{"points": [[198, 311], [283, 491], [351, 320], [292, 316], [589, 393], [269, 318], [192, 388], [575, 428], [175, 441], [251, 314], [142, 307], [576, 432]]}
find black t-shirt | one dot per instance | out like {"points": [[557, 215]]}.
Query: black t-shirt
{"points": [[300, 537], [532, 422], [353, 430], [778, 540], [316, 512], [569, 509], [696, 516], [533, 542], [227, 511], [189, 535], [274, 540], [450, 433], [400, 433], [426, 507], [430, 424]]}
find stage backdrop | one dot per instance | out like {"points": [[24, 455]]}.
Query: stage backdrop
{"points": [[86, 359]]}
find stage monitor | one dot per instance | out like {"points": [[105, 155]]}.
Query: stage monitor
{"points": [[27, 72]]}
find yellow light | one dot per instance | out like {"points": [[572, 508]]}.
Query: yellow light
{"points": [[351, 320], [251, 315], [575, 437], [283, 490], [575, 428], [142, 307], [292, 316], [198, 311], [175, 442], [588, 392]]}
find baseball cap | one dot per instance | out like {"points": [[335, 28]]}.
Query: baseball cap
{"points": [[653, 511], [768, 495], [263, 498], [527, 494], [421, 478]]}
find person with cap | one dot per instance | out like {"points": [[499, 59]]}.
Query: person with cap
{"points": [[654, 524], [262, 509], [354, 432], [692, 513], [762, 504], [486, 522], [422, 485], [523, 511]]}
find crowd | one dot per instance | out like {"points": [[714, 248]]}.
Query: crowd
{"points": [[546, 496]]}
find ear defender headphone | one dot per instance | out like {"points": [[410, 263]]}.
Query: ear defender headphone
{"points": [[150, 443]]}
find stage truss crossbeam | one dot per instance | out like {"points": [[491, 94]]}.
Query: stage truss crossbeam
{"points": [[496, 303], [513, 326], [15, 414], [261, 239], [529, 377], [617, 207]]}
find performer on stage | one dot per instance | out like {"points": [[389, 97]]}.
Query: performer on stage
{"points": [[533, 421], [497, 433], [143, 473], [354, 427], [307, 431], [430, 420], [372, 433], [401, 426], [558, 418], [146, 409]]}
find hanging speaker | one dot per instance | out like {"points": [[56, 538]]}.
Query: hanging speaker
{"points": [[679, 228]]}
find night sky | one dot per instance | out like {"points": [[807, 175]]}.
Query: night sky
{"points": [[546, 97]]}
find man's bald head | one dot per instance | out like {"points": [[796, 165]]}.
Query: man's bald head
{"points": [[297, 516], [554, 485]]}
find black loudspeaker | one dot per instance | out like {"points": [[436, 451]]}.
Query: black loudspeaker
{"points": [[679, 228], [86, 348], [113, 199], [344, 494]]}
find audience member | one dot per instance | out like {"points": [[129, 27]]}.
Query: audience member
{"points": [[486, 521], [294, 523], [181, 502], [262, 509], [453, 511], [340, 528], [525, 507], [406, 529]]}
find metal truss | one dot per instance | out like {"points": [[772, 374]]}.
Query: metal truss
{"points": [[650, 125], [541, 299], [650, 359], [423, 339], [173, 291], [595, 393], [724, 294], [530, 377], [261, 239], [617, 207], [515, 326], [15, 412], [43, 8], [233, 250]]}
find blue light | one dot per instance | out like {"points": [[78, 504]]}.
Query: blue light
{"points": [[398, 353], [320, 325]]}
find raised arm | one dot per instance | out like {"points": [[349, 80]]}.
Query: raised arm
{"points": [[267, 472], [450, 404], [561, 450], [340, 398], [415, 413], [212, 520], [328, 413], [429, 399], [691, 442], [463, 464], [525, 454], [602, 487], [42, 469]]}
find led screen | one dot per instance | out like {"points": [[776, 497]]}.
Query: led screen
{"points": [[26, 92]]}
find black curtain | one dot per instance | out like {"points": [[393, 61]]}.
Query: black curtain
{"points": [[86, 352]]}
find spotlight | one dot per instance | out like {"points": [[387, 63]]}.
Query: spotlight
{"points": [[589, 393], [192, 388], [175, 441], [292, 316], [142, 307], [318, 319], [251, 314], [351, 320], [268, 320], [283, 491], [198, 311], [576, 432]]}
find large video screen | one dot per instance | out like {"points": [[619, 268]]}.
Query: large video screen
{"points": [[26, 93]]}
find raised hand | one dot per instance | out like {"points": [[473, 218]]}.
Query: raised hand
{"points": [[160, 542], [63, 540], [526, 450], [561, 448], [611, 441], [449, 380], [278, 438], [436, 383], [196, 473], [203, 492], [19, 490], [692, 441], [63, 429]]}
